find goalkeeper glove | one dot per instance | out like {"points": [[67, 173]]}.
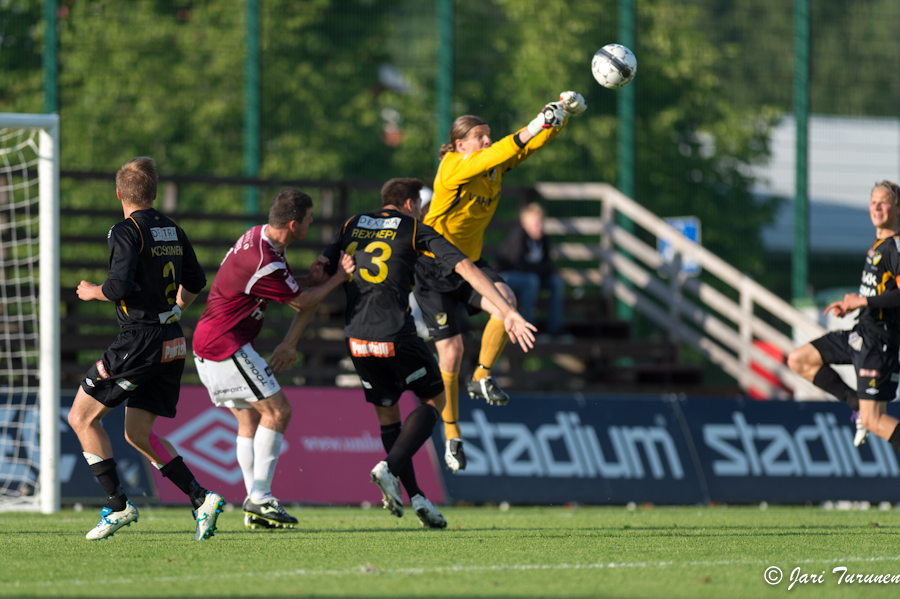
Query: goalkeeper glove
{"points": [[573, 103], [552, 115]]}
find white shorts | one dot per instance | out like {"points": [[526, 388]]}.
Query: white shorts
{"points": [[239, 381]]}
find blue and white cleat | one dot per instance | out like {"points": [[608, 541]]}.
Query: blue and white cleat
{"points": [[207, 514], [111, 521]]}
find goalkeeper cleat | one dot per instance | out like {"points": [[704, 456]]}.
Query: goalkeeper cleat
{"points": [[428, 515], [861, 433], [488, 390], [270, 514], [111, 521], [454, 455], [390, 488], [207, 515]]}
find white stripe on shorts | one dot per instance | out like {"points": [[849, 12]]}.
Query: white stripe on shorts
{"points": [[238, 381]]}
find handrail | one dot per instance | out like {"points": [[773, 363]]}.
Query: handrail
{"points": [[722, 329]]}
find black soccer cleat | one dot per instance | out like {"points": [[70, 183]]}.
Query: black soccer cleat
{"points": [[269, 512], [256, 523], [487, 390]]}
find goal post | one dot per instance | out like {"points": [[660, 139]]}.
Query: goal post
{"points": [[29, 313]]}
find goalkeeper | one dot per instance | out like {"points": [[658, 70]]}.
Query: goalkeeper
{"points": [[466, 193]]}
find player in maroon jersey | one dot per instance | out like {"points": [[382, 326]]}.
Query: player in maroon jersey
{"points": [[253, 273]]}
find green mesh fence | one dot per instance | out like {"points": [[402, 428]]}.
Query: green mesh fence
{"points": [[348, 94]]}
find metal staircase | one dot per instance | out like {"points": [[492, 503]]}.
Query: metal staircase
{"points": [[723, 322]]}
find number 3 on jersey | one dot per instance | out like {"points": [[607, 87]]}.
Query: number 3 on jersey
{"points": [[380, 260]]}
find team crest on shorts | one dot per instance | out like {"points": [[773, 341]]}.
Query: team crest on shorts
{"points": [[126, 384], [441, 319]]}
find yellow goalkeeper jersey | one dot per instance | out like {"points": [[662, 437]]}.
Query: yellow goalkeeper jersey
{"points": [[467, 189]]}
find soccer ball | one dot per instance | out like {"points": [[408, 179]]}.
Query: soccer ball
{"points": [[614, 66]]}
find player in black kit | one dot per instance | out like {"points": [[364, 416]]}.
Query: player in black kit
{"points": [[381, 334], [872, 346], [153, 276]]}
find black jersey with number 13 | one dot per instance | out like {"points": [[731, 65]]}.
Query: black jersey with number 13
{"points": [[386, 245], [151, 253]]}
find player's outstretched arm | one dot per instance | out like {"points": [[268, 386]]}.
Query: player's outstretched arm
{"points": [[836, 308], [317, 273], [573, 103], [851, 302], [315, 294], [520, 330], [552, 115], [285, 353]]}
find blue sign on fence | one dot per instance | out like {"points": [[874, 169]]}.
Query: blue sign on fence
{"points": [[689, 226], [600, 450]]}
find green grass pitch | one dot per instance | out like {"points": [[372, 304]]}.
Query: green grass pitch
{"points": [[694, 552]]}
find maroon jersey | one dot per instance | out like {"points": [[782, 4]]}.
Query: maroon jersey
{"points": [[251, 275]]}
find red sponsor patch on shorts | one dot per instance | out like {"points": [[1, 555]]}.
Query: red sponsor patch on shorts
{"points": [[101, 370], [176, 349], [869, 373], [375, 349]]}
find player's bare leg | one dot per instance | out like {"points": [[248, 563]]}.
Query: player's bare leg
{"points": [[162, 454], [875, 418], [84, 418], [268, 436], [808, 363]]}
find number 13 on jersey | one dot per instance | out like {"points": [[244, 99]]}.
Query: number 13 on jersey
{"points": [[379, 260]]}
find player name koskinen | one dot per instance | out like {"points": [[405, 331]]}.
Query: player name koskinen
{"points": [[166, 250]]}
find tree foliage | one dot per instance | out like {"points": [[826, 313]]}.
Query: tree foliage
{"points": [[165, 78]]}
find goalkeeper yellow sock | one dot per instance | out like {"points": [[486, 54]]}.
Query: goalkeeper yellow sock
{"points": [[493, 340], [451, 409]]}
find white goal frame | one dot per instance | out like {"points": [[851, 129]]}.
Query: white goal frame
{"points": [[48, 304]]}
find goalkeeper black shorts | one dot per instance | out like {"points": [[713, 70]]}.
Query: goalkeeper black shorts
{"points": [[438, 296]]}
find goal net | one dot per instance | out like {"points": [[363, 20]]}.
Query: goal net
{"points": [[29, 312]]}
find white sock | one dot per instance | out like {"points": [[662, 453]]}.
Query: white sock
{"points": [[245, 460], [266, 447]]}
